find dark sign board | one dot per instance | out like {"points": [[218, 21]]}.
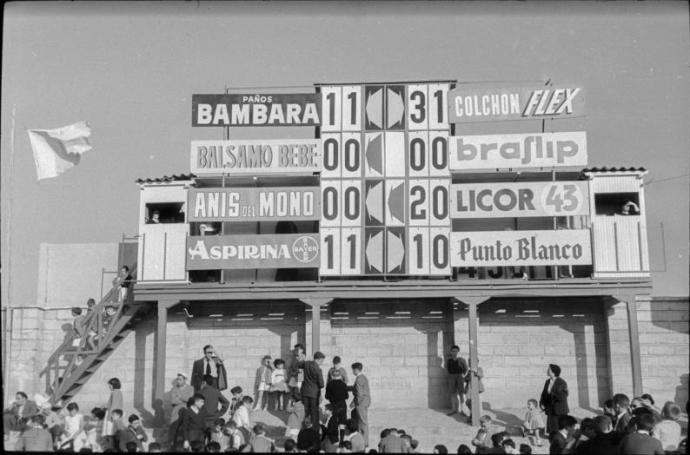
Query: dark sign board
{"points": [[294, 109]]}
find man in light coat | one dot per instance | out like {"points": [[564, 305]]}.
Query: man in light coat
{"points": [[362, 400]]}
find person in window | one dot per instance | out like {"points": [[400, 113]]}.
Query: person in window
{"points": [[630, 208], [155, 217]]}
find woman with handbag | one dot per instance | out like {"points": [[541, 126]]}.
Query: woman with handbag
{"points": [[479, 374], [115, 401]]}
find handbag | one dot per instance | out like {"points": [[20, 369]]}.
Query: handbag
{"points": [[108, 428]]}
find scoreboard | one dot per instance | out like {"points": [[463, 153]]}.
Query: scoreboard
{"points": [[385, 182], [385, 156]]}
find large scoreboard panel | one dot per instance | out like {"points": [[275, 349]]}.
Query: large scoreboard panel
{"points": [[385, 181]]}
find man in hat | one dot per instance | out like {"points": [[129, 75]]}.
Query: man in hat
{"points": [[554, 398], [211, 365], [179, 394]]}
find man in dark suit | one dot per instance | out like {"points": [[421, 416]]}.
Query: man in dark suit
{"points": [[212, 398], [15, 418], [361, 401], [311, 388], [35, 438], [559, 439], [621, 405], [392, 443], [554, 398], [211, 365], [192, 422], [641, 442], [337, 395], [604, 443]]}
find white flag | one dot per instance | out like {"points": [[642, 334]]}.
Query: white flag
{"points": [[59, 149]]}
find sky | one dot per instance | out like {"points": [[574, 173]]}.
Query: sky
{"points": [[130, 69]]}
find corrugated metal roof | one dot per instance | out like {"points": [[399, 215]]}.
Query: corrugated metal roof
{"points": [[615, 169], [167, 178]]}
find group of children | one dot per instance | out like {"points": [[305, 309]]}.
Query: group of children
{"points": [[625, 425], [271, 382], [532, 428], [73, 432]]}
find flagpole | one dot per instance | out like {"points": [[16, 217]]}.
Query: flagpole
{"points": [[10, 315]]}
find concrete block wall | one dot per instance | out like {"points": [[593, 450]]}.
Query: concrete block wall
{"points": [[618, 345], [36, 333], [132, 364], [68, 274], [402, 346], [242, 336], [663, 329], [519, 338]]}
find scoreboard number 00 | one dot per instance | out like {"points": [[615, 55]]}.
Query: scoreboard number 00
{"points": [[330, 154]]}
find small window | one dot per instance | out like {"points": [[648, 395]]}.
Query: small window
{"points": [[168, 212], [205, 228], [617, 204]]}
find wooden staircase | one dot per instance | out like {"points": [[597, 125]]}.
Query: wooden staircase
{"points": [[74, 362]]}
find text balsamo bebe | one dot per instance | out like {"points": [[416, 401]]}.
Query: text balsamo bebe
{"points": [[257, 156]]}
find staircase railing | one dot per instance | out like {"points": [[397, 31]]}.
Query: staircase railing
{"points": [[97, 331]]}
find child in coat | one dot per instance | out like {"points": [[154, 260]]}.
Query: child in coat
{"points": [[263, 382], [279, 387], [534, 422]]}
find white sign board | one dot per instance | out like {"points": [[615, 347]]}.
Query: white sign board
{"points": [[256, 157], [518, 151], [520, 248], [515, 200]]}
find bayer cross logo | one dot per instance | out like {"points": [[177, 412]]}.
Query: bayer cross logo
{"points": [[305, 249]]}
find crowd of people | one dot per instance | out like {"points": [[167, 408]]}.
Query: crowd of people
{"points": [[201, 419]]}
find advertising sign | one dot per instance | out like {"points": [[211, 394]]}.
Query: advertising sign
{"points": [[255, 157], [468, 103], [295, 109], [254, 204], [518, 151], [262, 251], [520, 248], [514, 200]]}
